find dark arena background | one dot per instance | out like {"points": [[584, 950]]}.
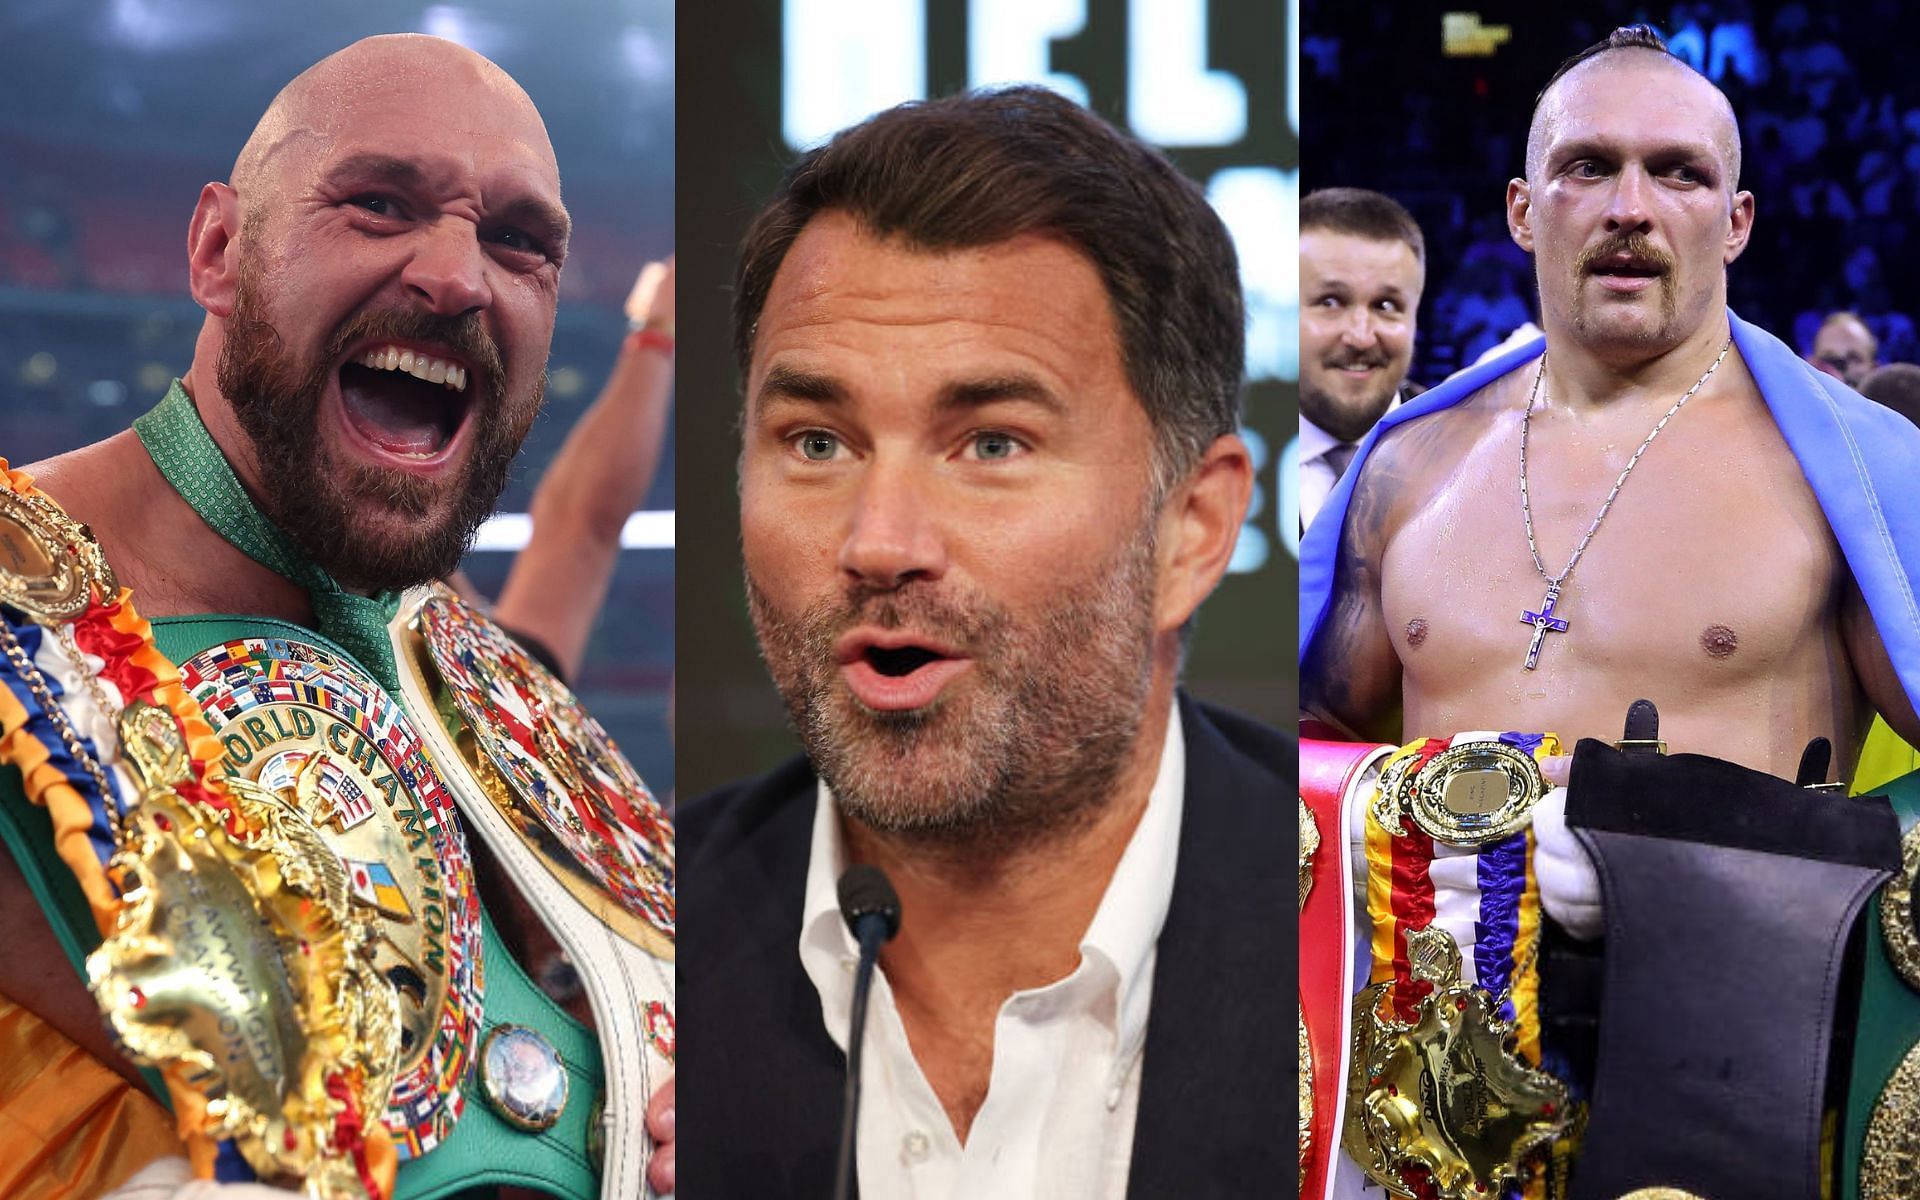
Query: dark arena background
{"points": [[118, 111], [1207, 81], [1429, 103]]}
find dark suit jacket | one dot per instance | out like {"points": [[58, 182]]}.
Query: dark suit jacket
{"points": [[761, 1082]]}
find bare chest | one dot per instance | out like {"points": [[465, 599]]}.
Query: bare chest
{"points": [[1713, 573]]}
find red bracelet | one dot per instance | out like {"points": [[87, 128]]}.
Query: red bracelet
{"points": [[651, 339]]}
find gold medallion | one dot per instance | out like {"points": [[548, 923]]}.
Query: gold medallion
{"points": [[50, 566], [1473, 794], [1444, 1094], [1897, 915], [241, 960]]}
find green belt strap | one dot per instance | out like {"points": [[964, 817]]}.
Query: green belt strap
{"points": [[483, 1148], [189, 459], [1889, 1023]]}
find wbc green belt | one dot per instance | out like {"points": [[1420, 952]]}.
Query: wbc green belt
{"points": [[292, 709], [1881, 1150]]}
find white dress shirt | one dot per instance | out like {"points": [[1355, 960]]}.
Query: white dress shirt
{"points": [[1317, 476], [1058, 1118]]}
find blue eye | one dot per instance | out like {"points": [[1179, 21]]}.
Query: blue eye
{"points": [[818, 446], [995, 447]]}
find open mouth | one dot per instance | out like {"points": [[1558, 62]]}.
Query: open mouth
{"points": [[892, 672], [1627, 266], [899, 663], [404, 401]]}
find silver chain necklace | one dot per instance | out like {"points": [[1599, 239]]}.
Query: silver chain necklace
{"points": [[1544, 621]]}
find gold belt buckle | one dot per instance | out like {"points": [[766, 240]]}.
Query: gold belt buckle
{"points": [[1473, 794]]}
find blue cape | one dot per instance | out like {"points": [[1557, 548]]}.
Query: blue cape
{"points": [[1862, 460]]}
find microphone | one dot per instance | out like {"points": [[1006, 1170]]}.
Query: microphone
{"points": [[872, 911]]}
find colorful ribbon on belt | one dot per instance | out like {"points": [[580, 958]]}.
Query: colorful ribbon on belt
{"points": [[65, 685], [1498, 883]]}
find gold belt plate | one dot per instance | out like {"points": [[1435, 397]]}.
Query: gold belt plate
{"points": [[568, 793], [292, 714], [50, 566], [239, 959], [1443, 1093], [1473, 794]]}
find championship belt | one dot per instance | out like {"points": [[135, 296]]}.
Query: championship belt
{"points": [[294, 716], [582, 837], [1730, 898], [1332, 776], [1444, 1095], [236, 957], [1882, 1138]]}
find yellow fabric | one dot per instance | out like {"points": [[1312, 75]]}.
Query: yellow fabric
{"points": [[70, 1127], [1883, 759]]}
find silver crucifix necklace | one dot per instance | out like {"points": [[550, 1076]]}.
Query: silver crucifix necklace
{"points": [[1545, 620]]}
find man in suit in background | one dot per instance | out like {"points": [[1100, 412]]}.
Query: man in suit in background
{"points": [[1363, 265]]}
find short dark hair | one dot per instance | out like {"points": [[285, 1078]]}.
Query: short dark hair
{"points": [[1896, 385], [1363, 214], [987, 166]]}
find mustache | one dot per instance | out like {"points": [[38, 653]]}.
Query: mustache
{"points": [[464, 335], [962, 625], [1358, 358], [1632, 245]]}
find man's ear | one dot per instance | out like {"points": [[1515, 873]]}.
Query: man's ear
{"points": [[1520, 213], [1199, 524], [213, 260], [1739, 226]]}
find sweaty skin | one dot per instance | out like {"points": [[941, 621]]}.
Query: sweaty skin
{"points": [[1714, 588], [1715, 543], [402, 173]]}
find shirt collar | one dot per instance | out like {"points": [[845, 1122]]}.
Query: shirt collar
{"points": [[1315, 441], [1119, 943]]}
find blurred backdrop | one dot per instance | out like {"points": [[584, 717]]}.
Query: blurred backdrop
{"points": [[117, 112], [762, 79]]}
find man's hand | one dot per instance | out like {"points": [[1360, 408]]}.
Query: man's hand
{"points": [[660, 1128], [650, 304], [1569, 884]]}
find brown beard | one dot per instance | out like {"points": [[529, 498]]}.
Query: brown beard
{"points": [[1025, 747], [320, 502]]}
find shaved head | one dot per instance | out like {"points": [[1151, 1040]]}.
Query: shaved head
{"points": [[401, 74], [1625, 48], [380, 277]]}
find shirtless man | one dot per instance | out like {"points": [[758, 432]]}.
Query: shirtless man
{"points": [[1730, 605], [1517, 550]]}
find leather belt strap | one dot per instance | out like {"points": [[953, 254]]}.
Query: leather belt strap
{"points": [[1729, 896], [1328, 774]]}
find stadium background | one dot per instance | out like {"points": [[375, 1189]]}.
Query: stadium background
{"points": [[118, 111]]}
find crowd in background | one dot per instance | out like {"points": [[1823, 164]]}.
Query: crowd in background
{"points": [[1830, 121]]}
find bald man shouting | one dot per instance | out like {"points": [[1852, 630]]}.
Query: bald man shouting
{"points": [[379, 277]]}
